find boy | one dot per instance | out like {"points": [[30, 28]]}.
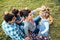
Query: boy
{"points": [[11, 29]]}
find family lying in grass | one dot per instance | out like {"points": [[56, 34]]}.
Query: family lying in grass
{"points": [[20, 25]]}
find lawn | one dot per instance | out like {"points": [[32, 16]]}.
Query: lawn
{"points": [[7, 5]]}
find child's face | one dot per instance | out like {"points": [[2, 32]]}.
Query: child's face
{"points": [[13, 19], [47, 15], [42, 14]]}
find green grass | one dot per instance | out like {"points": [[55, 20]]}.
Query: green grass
{"points": [[33, 4]]}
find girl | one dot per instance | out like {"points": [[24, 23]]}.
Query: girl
{"points": [[18, 16], [49, 17], [44, 25]]}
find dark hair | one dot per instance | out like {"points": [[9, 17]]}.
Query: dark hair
{"points": [[21, 13], [25, 13], [8, 17], [15, 12]]}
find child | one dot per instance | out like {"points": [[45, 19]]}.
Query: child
{"points": [[18, 16], [44, 25]]}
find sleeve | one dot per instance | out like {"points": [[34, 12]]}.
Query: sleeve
{"points": [[26, 29], [33, 11], [37, 19], [46, 26], [4, 29]]}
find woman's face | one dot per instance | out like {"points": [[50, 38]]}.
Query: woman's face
{"points": [[30, 16], [47, 15]]}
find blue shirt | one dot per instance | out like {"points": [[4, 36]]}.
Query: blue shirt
{"points": [[18, 18], [43, 27], [13, 31]]}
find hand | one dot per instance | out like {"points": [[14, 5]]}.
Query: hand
{"points": [[22, 19], [37, 37], [26, 8], [40, 37], [38, 9], [27, 38], [18, 22]]}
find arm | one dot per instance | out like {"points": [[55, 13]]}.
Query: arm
{"points": [[15, 34], [46, 26], [26, 29], [19, 21], [33, 11], [37, 19], [36, 10]]}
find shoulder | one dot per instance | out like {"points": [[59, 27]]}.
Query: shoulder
{"points": [[26, 24], [4, 24]]}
